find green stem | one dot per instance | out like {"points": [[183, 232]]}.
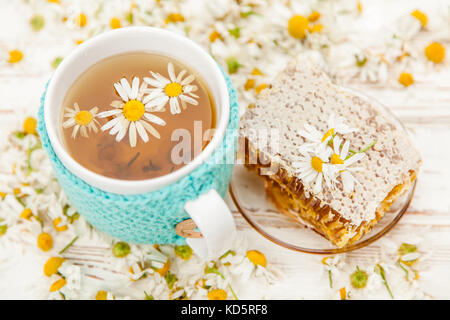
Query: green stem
{"points": [[330, 278], [232, 291], [69, 245]]}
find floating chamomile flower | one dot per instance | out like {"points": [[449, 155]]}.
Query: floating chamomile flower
{"points": [[341, 159], [82, 120], [174, 90], [132, 113]]}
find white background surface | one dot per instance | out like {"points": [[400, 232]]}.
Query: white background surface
{"points": [[424, 109]]}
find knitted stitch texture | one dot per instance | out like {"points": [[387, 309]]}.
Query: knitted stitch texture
{"points": [[150, 217]]}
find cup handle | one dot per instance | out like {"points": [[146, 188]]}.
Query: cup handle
{"points": [[215, 222]]}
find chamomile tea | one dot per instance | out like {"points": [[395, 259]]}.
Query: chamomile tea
{"points": [[122, 117]]}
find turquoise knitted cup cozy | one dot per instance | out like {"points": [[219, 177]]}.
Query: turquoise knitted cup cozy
{"points": [[150, 217]]}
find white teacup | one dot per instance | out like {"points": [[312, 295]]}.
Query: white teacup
{"points": [[216, 226]]}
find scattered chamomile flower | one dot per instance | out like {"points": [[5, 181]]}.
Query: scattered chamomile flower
{"points": [[121, 249], [257, 258], [297, 26], [215, 35], [37, 22], [435, 52], [114, 23], [101, 295], [15, 56], [174, 18], [217, 294], [52, 265], [406, 79], [3, 229], [45, 241], [422, 17], [81, 120], [171, 279], [132, 113], [58, 285], [261, 87], [174, 90], [29, 125], [359, 278], [314, 16], [56, 62], [233, 65], [406, 248], [81, 20], [59, 225], [184, 252], [26, 214]]}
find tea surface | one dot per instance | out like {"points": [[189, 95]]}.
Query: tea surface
{"points": [[124, 107]]}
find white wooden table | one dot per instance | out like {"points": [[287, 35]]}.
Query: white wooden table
{"points": [[424, 109]]}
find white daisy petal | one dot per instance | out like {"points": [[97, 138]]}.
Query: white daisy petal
{"points": [[188, 99], [171, 71], [110, 124], [150, 129], [174, 106], [153, 82], [134, 88], [126, 87], [69, 123], [109, 113], [132, 134], [142, 133], [188, 80], [122, 131], [152, 118], [159, 101], [180, 76], [353, 159], [157, 93], [75, 130], [121, 91]]}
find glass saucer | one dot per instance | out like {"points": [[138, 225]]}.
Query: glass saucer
{"points": [[248, 193]]}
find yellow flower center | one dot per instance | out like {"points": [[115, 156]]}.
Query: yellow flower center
{"points": [[317, 164], [327, 134], [297, 26], [83, 118], [29, 125], [101, 295], [81, 20], [217, 294], [115, 23], [422, 17], [335, 159], [133, 110], [58, 285], [162, 271], [52, 265], [435, 52], [315, 28], [214, 35], [314, 16], [257, 257], [26, 214], [15, 56], [173, 89], [406, 79], [56, 225], [261, 87], [45, 241]]}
